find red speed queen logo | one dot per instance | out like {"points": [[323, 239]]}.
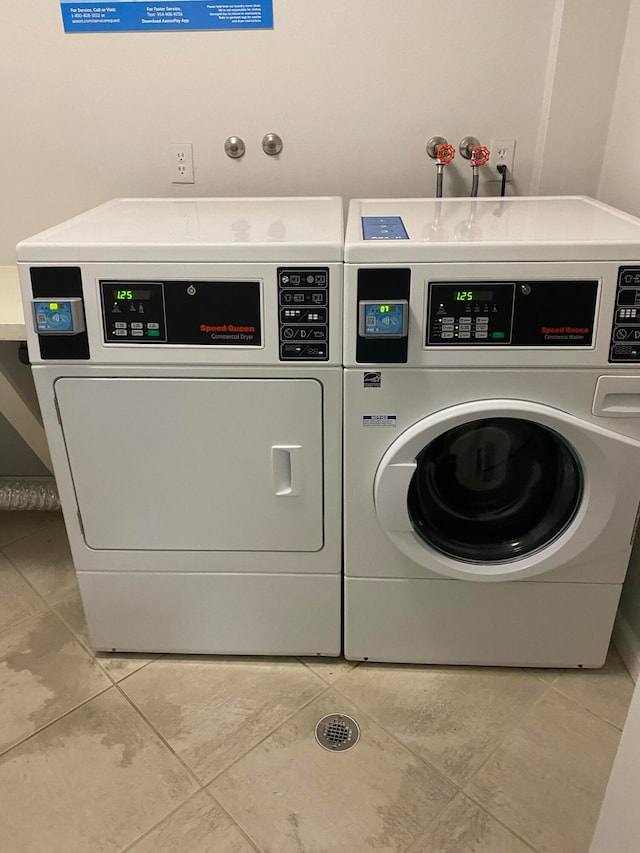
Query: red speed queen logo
{"points": [[565, 331], [227, 327]]}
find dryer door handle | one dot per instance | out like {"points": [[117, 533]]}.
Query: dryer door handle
{"points": [[285, 469]]}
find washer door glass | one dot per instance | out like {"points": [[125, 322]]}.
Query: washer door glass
{"points": [[493, 490]]}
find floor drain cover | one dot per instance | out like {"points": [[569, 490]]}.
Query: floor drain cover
{"points": [[337, 732]]}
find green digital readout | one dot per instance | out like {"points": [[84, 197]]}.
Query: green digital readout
{"points": [[136, 294], [474, 295], [384, 309]]}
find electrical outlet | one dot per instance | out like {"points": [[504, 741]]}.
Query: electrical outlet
{"points": [[502, 151], [181, 163]]}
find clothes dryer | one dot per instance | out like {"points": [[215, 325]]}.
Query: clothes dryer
{"points": [[492, 428], [187, 359]]}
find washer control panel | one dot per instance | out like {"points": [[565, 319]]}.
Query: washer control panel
{"points": [[625, 333], [468, 313], [529, 313], [303, 306], [58, 316]]}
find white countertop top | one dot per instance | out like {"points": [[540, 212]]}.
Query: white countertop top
{"points": [[12, 326]]}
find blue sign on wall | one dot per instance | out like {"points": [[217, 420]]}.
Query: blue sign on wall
{"points": [[136, 15]]}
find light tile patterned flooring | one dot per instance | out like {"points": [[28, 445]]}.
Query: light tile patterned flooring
{"points": [[146, 754]]}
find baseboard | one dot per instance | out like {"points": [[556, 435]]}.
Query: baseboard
{"points": [[627, 643]]}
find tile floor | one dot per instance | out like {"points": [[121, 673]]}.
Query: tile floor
{"points": [[147, 754]]}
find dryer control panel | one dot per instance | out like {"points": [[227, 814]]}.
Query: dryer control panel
{"points": [[202, 313]]}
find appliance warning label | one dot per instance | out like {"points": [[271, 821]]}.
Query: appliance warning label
{"points": [[388, 421], [136, 15]]}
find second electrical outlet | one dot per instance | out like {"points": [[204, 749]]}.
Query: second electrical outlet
{"points": [[181, 163], [503, 151]]}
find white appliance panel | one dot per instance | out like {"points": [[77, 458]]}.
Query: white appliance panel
{"points": [[196, 464], [457, 622], [248, 614], [196, 229], [499, 355], [564, 228]]}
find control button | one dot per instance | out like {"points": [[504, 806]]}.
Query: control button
{"points": [[121, 325], [482, 321], [318, 334], [304, 351], [449, 327], [121, 332], [464, 334], [621, 334], [153, 325], [447, 334], [464, 321], [310, 279], [136, 325], [448, 319], [154, 333], [137, 333], [481, 334]]}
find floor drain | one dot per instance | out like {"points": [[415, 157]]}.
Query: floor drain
{"points": [[337, 732]]}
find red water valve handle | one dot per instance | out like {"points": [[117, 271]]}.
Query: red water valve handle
{"points": [[480, 155], [445, 154]]}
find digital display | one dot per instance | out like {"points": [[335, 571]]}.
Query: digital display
{"points": [[474, 295], [122, 294], [383, 319]]}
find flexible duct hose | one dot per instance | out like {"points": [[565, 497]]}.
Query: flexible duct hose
{"points": [[28, 493]]}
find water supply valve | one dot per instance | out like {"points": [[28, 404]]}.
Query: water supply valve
{"points": [[480, 155], [471, 149], [439, 150]]}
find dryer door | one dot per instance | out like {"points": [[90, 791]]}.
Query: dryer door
{"points": [[503, 489], [196, 464]]}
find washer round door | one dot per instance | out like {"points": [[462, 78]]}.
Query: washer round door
{"points": [[501, 489]]}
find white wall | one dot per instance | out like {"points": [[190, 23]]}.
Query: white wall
{"points": [[355, 90], [583, 72], [620, 178]]}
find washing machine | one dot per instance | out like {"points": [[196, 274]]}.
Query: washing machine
{"points": [[187, 359], [491, 428]]}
